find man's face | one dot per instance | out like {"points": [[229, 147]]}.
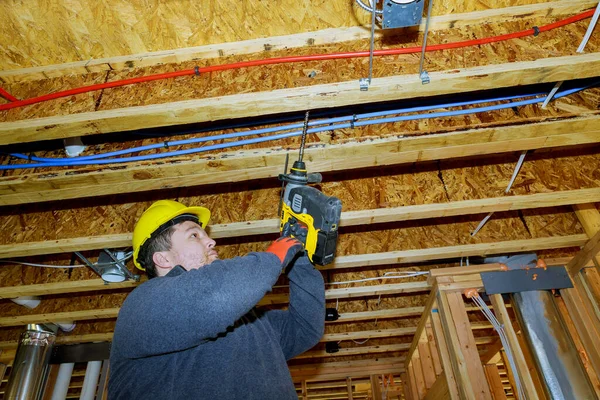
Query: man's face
{"points": [[191, 247]]}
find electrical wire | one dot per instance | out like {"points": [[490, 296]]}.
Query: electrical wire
{"points": [[288, 127], [127, 256], [512, 181], [387, 275], [329, 127], [7, 95], [503, 338], [292, 59], [368, 8]]}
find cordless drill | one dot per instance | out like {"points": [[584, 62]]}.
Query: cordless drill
{"points": [[307, 213]]}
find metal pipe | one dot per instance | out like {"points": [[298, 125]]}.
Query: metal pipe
{"points": [[26, 382], [551, 345], [90, 382], [61, 387]]}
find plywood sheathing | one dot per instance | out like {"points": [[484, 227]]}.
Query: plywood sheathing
{"points": [[66, 31], [420, 184], [371, 189], [559, 42]]}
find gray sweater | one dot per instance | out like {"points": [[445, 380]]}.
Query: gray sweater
{"points": [[196, 334]]}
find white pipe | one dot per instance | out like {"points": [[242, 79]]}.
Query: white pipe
{"points": [[590, 29], [90, 382], [30, 302], [61, 387]]}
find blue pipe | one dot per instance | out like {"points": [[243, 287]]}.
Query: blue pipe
{"points": [[262, 131], [86, 159]]}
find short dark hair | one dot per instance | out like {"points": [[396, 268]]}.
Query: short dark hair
{"points": [[160, 242]]}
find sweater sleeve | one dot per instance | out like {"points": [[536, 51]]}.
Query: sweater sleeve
{"points": [[174, 313], [302, 325]]}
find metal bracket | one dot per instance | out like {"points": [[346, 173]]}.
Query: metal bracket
{"points": [[364, 84], [422, 73], [523, 280]]}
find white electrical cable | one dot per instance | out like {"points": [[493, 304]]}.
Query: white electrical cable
{"points": [[367, 8], [387, 275], [512, 181], [503, 338], [127, 257], [590, 29], [516, 171]]}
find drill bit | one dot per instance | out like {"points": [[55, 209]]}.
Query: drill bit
{"points": [[304, 130]]}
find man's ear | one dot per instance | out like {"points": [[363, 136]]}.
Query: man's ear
{"points": [[162, 260]]}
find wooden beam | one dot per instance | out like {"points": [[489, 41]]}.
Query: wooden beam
{"points": [[7, 347], [80, 315], [589, 217], [274, 43], [423, 321], [375, 290], [396, 257], [469, 250], [41, 289], [439, 390], [379, 333], [242, 166], [493, 378], [513, 342], [435, 354], [299, 99], [349, 388], [375, 387], [357, 373], [379, 314], [426, 360], [583, 355], [589, 251], [466, 345], [585, 322], [348, 218], [353, 351], [457, 359], [111, 313], [2, 371]]}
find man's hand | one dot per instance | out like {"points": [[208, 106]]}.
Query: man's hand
{"points": [[286, 249]]}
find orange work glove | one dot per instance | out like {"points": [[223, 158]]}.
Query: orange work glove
{"points": [[286, 249]]}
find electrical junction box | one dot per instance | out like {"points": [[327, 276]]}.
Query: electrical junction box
{"points": [[402, 13]]}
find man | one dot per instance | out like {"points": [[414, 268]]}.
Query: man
{"points": [[192, 332]]}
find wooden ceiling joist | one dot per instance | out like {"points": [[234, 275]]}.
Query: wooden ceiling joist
{"points": [[299, 99], [354, 351], [384, 333], [394, 257], [274, 43], [111, 313], [260, 164], [349, 218], [450, 252]]}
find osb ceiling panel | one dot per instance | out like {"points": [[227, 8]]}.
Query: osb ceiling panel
{"points": [[44, 32]]}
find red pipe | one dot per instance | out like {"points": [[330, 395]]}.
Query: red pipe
{"points": [[282, 60], [7, 95]]}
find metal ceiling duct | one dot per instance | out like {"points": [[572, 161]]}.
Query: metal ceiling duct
{"points": [[551, 345], [28, 376]]}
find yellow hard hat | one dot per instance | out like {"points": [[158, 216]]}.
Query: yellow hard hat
{"points": [[158, 217]]}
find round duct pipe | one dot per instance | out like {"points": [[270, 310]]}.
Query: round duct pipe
{"points": [[26, 382]]}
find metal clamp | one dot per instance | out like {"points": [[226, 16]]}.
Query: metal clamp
{"points": [[364, 84]]}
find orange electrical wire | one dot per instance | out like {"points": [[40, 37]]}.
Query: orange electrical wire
{"points": [[291, 59]]}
